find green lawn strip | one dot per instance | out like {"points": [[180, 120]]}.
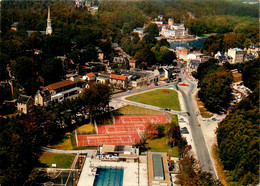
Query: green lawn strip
{"points": [[134, 110], [159, 145], [61, 160], [86, 129], [158, 98], [65, 143]]}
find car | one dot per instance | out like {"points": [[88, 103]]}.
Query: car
{"points": [[167, 109], [189, 147], [214, 119], [188, 113], [184, 128]]}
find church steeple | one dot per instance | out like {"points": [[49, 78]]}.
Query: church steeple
{"points": [[49, 29]]}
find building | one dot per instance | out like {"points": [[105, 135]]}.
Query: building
{"points": [[73, 77], [49, 28], [174, 31], [65, 89], [125, 153], [132, 63], [89, 77], [25, 104], [14, 26], [139, 31], [158, 171], [42, 98], [194, 65], [103, 78], [119, 81], [170, 21], [237, 54], [181, 53], [119, 60]]}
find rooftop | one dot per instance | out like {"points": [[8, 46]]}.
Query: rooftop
{"points": [[118, 77], [23, 99], [58, 85], [91, 74]]}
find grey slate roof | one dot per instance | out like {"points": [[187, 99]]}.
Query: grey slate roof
{"points": [[23, 99]]}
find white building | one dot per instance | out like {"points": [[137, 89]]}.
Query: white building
{"points": [[237, 54]]}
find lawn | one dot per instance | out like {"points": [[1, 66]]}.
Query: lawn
{"points": [[159, 145], [61, 160], [158, 98], [134, 110], [86, 129], [65, 143]]}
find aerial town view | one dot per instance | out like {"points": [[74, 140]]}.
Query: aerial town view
{"points": [[129, 92]]}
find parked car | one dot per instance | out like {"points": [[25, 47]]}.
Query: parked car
{"points": [[214, 119], [189, 147], [184, 130], [167, 109]]}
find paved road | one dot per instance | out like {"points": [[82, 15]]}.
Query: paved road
{"points": [[197, 135]]}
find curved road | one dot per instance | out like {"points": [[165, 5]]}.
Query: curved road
{"points": [[197, 135]]}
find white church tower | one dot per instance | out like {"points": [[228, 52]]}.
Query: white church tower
{"points": [[49, 29]]}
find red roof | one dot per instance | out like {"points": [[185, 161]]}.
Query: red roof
{"points": [[91, 74], [119, 77], [132, 61], [57, 85]]}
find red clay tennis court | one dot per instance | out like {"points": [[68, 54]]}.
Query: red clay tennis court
{"points": [[126, 130]]}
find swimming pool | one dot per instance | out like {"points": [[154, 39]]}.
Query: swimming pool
{"points": [[109, 176]]}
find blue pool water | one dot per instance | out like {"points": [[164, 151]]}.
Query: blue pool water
{"points": [[107, 176]]}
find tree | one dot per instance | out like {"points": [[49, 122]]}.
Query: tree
{"points": [[89, 53], [238, 138], [191, 172], [215, 90], [152, 30], [142, 144], [95, 99], [160, 130]]}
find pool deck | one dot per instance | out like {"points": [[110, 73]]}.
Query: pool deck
{"points": [[87, 176]]}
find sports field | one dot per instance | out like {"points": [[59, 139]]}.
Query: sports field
{"points": [[165, 98], [126, 130]]}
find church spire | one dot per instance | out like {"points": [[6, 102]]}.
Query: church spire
{"points": [[49, 29]]}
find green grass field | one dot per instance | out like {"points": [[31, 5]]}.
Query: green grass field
{"points": [[159, 145], [158, 98], [61, 160]]}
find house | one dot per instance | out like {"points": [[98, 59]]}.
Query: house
{"points": [[237, 54], [25, 104], [65, 89], [132, 63], [119, 60], [138, 81], [220, 57], [73, 77], [194, 65], [14, 26], [42, 98], [103, 78], [100, 54], [181, 53], [89, 77], [160, 74], [119, 81]]}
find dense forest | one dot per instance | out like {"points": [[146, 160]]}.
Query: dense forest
{"points": [[238, 133], [238, 141]]}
